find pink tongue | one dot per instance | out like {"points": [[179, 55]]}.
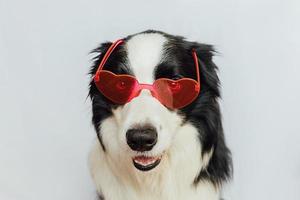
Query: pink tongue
{"points": [[144, 159]]}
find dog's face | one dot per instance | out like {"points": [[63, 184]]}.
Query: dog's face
{"points": [[143, 133]]}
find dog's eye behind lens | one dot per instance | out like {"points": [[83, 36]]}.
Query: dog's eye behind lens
{"points": [[121, 85], [174, 86]]}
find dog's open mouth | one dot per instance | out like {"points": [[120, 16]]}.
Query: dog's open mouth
{"points": [[146, 163]]}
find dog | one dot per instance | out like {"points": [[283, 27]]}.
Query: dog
{"points": [[147, 147]]}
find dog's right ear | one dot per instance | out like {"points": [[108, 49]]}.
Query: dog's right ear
{"points": [[101, 110]]}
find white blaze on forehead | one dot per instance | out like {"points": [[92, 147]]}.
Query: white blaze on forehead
{"points": [[144, 52]]}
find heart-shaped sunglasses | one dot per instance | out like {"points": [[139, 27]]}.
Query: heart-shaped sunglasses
{"points": [[122, 88]]}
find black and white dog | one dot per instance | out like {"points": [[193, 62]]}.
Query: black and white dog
{"points": [[188, 158]]}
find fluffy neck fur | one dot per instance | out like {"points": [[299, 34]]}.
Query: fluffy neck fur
{"points": [[171, 180]]}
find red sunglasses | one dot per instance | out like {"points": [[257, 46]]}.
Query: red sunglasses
{"points": [[121, 89]]}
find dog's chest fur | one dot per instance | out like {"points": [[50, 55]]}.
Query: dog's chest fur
{"points": [[113, 183]]}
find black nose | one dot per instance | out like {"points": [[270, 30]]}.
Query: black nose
{"points": [[142, 138]]}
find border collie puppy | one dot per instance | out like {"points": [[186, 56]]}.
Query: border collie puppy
{"points": [[147, 147]]}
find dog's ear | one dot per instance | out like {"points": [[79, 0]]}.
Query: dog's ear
{"points": [[208, 69], [208, 115], [101, 109]]}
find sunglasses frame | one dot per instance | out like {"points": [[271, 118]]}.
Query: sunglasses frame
{"points": [[140, 86]]}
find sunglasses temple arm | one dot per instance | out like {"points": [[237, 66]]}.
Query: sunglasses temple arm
{"points": [[196, 65], [107, 54]]}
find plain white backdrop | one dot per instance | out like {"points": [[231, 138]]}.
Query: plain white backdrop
{"points": [[45, 119]]}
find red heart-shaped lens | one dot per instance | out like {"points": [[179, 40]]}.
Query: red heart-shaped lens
{"points": [[176, 94], [123, 88], [117, 88]]}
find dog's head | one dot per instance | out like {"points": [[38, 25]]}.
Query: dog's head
{"points": [[143, 134]]}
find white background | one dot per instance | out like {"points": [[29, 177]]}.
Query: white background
{"points": [[45, 120]]}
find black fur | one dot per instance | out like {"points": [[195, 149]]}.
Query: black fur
{"points": [[203, 113]]}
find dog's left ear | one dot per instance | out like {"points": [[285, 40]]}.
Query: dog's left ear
{"points": [[207, 113], [208, 69]]}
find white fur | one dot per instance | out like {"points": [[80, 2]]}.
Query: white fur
{"points": [[171, 180], [113, 171], [144, 53]]}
